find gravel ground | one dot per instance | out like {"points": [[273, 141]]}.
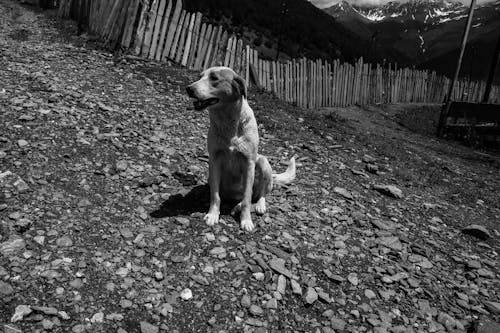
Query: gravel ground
{"points": [[103, 169]]}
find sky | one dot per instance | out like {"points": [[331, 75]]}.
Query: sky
{"points": [[328, 3]]}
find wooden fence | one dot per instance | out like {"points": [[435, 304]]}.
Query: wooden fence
{"points": [[162, 30]]}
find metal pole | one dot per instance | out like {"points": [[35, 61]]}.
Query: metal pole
{"points": [[493, 68], [446, 108]]}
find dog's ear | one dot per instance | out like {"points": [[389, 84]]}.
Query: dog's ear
{"points": [[240, 85]]}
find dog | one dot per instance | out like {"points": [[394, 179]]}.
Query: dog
{"points": [[237, 172]]}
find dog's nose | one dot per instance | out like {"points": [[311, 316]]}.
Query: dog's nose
{"points": [[190, 91]]}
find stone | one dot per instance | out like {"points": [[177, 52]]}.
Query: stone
{"points": [[477, 231], [64, 241], [353, 279], [12, 246], [281, 285], [484, 326], [493, 307], [343, 192], [186, 294], [97, 318], [20, 312], [278, 265], [245, 301], [148, 328], [389, 190], [337, 324], [310, 296], [5, 289], [296, 288], [272, 304], [256, 310], [78, 328], [370, 294]]}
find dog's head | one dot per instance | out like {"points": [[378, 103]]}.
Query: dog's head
{"points": [[217, 85]]}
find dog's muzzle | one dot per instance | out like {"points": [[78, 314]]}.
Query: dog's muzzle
{"points": [[200, 104]]}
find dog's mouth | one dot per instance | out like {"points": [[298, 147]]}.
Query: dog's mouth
{"points": [[205, 103]]}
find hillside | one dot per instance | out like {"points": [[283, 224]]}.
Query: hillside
{"points": [[427, 33], [304, 29], [103, 167]]}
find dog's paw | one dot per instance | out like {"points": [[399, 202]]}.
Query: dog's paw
{"points": [[236, 209], [211, 218], [260, 206], [247, 225]]}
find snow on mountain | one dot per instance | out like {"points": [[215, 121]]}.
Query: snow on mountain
{"points": [[426, 11]]}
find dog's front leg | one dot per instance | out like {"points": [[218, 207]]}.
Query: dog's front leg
{"points": [[245, 217], [214, 177]]}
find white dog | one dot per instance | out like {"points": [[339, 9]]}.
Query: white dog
{"points": [[236, 170]]}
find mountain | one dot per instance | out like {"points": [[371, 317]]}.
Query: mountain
{"points": [[296, 27], [427, 33]]}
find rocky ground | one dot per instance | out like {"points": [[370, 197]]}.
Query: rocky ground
{"points": [[102, 172]]}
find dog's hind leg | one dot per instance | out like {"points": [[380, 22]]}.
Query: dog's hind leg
{"points": [[263, 184]]}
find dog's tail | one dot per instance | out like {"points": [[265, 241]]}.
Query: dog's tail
{"points": [[286, 177]]}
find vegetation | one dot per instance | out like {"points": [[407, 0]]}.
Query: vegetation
{"points": [[296, 27]]}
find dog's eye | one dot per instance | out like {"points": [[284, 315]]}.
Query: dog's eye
{"points": [[213, 77]]}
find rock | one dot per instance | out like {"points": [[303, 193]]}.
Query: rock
{"points": [[353, 279], [49, 311], [186, 294], [245, 301], [5, 289], [484, 326], [278, 265], [446, 320], [165, 309], [20, 312], [493, 307], [383, 225], [296, 288], [311, 296], [22, 225], [281, 285], [64, 241], [121, 165], [218, 251], [272, 303], [97, 318], [477, 231], [47, 324], [148, 328], [370, 294], [343, 192], [12, 246], [256, 310], [389, 190], [22, 143], [337, 324]]}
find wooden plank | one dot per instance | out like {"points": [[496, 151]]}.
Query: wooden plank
{"points": [[210, 48], [177, 36], [149, 28], [217, 42], [182, 38], [172, 28], [221, 53], [194, 40], [205, 41], [227, 54], [187, 46], [199, 46], [156, 29], [129, 24], [163, 33], [247, 64], [139, 35]]}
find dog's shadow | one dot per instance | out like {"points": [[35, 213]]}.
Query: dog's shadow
{"points": [[197, 200]]}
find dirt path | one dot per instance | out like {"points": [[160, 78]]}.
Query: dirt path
{"points": [[102, 172]]}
